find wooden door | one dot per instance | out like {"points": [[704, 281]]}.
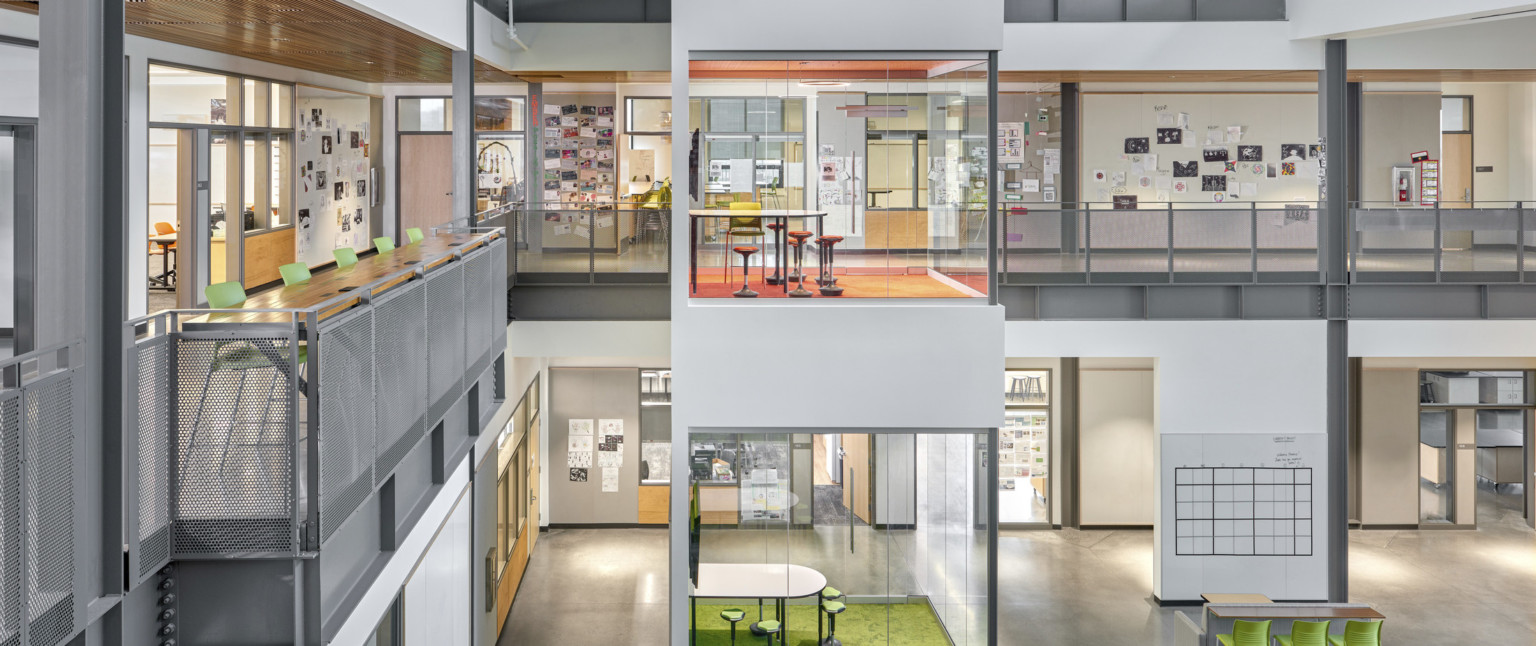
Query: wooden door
{"points": [[1456, 170], [533, 481], [857, 475], [426, 181]]}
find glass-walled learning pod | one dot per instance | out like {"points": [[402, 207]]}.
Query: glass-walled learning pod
{"points": [[866, 537], [821, 178]]}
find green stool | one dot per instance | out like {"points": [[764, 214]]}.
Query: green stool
{"points": [[345, 257], [384, 245], [828, 593], [733, 615], [414, 235], [1305, 633], [769, 628], [1246, 633], [833, 609], [1358, 633], [294, 273]]}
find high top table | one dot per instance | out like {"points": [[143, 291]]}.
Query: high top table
{"points": [[781, 237], [754, 581]]}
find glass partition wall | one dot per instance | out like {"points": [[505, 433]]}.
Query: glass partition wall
{"points": [[871, 179], [902, 556]]}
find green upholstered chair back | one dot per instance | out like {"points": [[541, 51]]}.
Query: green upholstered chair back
{"points": [[743, 226], [384, 245], [225, 295], [414, 235], [294, 273], [746, 206], [1250, 633], [1362, 633], [1309, 633], [345, 256]]}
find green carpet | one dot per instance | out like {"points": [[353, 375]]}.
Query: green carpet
{"points": [[863, 624]]}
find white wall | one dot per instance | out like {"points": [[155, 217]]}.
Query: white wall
{"points": [[1156, 46], [332, 223], [1491, 44], [621, 47], [1490, 339], [1116, 438], [1214, 378], [974, 25], [437, 594], [1330, 18], [1268, 120], [19, 77], [445, 22]]}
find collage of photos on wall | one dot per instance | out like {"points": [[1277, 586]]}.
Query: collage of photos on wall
{"points": [[579, 155]]}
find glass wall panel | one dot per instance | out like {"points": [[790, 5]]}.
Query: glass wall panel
{"points": [[280, 197], [424, 114], [499, 113], [282, 105], [179, 95], [890, 548], [224, 184], [1474, 387], [895, 199], [648, 115]]}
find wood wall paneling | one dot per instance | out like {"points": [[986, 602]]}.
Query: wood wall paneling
{"points": [[719, 505], [654, 504], [264, 253], [896, 229]]}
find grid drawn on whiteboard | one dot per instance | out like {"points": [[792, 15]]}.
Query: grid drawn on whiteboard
{"points": [[1242, 511]]}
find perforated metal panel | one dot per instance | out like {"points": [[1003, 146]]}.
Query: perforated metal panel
{"points": [[235, 447], [445, 334], [478, 312], [49, 437], [153, 429], [10, 517], [400, 368], [345, 442], [499, 271]]}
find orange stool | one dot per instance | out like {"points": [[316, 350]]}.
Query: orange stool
{"points": [[828, 280], [745, 291], [800, 238]]}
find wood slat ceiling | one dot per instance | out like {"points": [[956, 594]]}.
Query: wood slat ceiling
{"points": [[594, 77], [25, 6]]}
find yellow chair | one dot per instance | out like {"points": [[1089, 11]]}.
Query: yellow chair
{"points": [[745, 227]]}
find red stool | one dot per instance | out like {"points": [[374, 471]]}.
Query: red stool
{"points": [[828, 280], [775, 278], [746, 253], [800, 238]]}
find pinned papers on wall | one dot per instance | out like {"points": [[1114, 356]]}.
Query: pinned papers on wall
{"points": [[742, 177], [1030, 185], [604, 221], [1052, 160], [642, 165], [610, 480]]}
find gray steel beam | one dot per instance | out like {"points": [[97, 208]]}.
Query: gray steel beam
{"points": [[1068, 478], [1333, 117], [1071, 147], [992, 212], [591, 303]]}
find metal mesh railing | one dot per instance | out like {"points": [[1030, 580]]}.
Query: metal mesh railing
{"points": [[1219, 243], [260, 432], [40, 471], [1477, 243]]}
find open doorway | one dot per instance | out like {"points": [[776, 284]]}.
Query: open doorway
{"points": [[18, 172], [841, 479], [1472, 445]]}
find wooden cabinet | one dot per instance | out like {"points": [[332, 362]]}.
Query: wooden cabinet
{"points": [[653, 504], [719, 505], [896, 229]]}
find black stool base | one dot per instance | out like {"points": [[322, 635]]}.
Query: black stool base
{"points": [[800, 292], [832, 291], [831, 641], [773, 280], [744, 293]]}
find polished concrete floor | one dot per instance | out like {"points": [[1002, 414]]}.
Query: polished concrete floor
{"points": [[608, 586]]}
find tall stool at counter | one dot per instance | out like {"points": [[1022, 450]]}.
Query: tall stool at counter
{"points": [[746, 268], [775, 278], [828, 278], [800, 237]]}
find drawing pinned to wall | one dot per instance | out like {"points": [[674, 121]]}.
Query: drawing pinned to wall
{"points": [[325, 145], [1186, 169], [1100, 176], [1234, 134], [1216, 183], [1180, 186], [1314, 151], [218, 111], [1229, 167], [1215, 153], [1293, 152], [1136, 145], [1170, 136], [1125, 202], [1050, 194], [1250, 153], [578, 474], [1215, 136], [610, 480], [1288, 169], [1117, 179]]}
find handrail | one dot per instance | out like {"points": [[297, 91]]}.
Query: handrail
{"points": [[20, 370]]}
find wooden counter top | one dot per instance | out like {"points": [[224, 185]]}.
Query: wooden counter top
{"points": [[1291, 611]]}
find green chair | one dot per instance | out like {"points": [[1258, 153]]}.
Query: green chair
{"points": [[345, 257], [769, 628], [414, 235], [1358, 633], [745, 227], [1305, 633], [828, 593], [222, 296], [733, 615], [833, 609], [384, 245], [294, 273], [1246, 633]]}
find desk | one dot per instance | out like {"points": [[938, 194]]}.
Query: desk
{"points": [[399, 264], [780, 237], [754, 581], [1291, 611], [1217, 597], [166, 272]]}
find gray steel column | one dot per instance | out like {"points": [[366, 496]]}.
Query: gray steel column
{"points": [[992, 177], [1067, 420], [1333, 113], [79, 257], [464, 171], [1071, 140], [991, 487]]}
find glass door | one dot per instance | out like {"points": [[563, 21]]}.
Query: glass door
{"points": [[1437, 482]]}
